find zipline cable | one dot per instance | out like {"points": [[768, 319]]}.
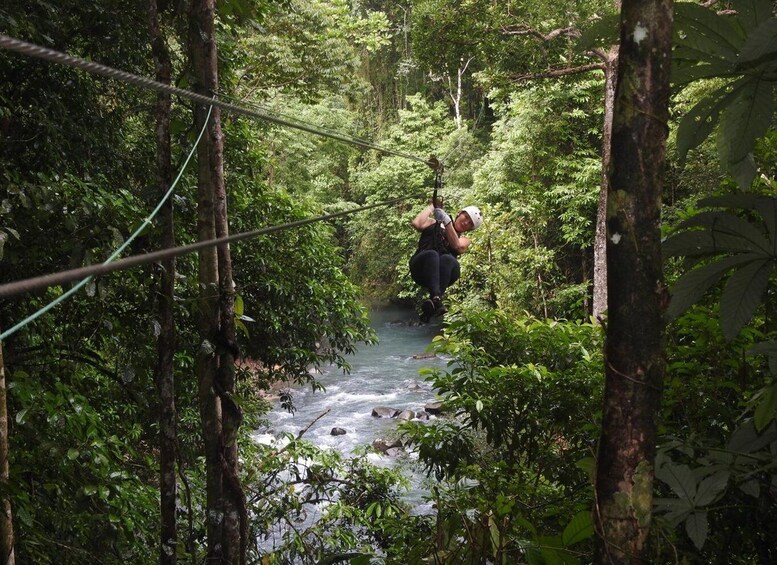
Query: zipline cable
{"points": [[130, 239], [32, 50], [62, 277]]}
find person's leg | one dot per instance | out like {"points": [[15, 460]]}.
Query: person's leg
{"points": [[425, 270], [449, 272]]}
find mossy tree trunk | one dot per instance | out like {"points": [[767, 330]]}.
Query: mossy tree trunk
{"points": [[7, 553], [202, 47], [221, 417], [164, 370], [634, 351]]}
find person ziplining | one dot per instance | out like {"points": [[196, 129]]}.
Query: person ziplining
{"points": [[435, 264]]}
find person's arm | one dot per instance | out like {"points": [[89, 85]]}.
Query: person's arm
{"points": [[456, 243], [423, 220]]}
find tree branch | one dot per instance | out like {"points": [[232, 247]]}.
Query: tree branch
{"points": [[520, 29], [553, 73]]}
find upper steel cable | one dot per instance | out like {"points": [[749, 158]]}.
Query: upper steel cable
{"points": [[32, 50]]}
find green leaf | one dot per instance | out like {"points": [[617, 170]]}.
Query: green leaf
{"points": [[711, 487], [750, 13], [703, 29], [679, 478], [602, 33], [751, 488], [698, 123], [479, 405], [766, 206], [768, 348], [238, 306], [693, 284], [242, 327], [760, 43], [697, 527], [742, 295], [72, 453], [767, 408], [725, 229], [746, 119], [745, 439], [21, 415], [683, 74], [579, 528]]}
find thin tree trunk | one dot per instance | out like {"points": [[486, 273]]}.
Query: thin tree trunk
{"points": [[6, 517], [634, 353], [235, 513], [203, 55], [164, 372], [600, 237]]}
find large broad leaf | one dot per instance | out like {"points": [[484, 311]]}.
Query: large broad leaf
{"points": [[742, 295], [747, 440], [581, 527], [766, 206], [679, 478], [766, 410], [683, 74], [703, 29], [746, 119], [751, 12], [760, 46], [697, 528], [711, 487], [693, 284], [698, 123], [725, 225], [702, 243]]}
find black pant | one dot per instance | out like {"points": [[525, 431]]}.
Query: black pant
{"points": [[434, 271]]}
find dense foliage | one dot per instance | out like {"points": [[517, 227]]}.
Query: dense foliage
{"points": [[511, 460]]}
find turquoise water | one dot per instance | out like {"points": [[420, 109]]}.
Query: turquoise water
{"points": [[386, 374]]}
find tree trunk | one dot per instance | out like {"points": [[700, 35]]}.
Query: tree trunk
{"points": [[6, 518], [634, 352], [221, 416], [164, 372], [235, 513], [600, 238], [203, 55]]}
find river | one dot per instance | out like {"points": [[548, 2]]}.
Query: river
{"points": [[386, 374]]}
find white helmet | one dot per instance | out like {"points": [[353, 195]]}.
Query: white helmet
{"points": [[474, 214]]}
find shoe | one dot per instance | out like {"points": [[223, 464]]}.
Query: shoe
{"points": [[427, 310], [439, 307]]}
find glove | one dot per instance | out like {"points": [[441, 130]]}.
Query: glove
{"points": [[442, 216]]}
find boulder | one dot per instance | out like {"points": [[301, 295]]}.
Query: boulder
{"points": [[337, 432], [415, 387], [422, 415], [383, 445], [384, 412], [433, 408], [394, 451], [406, 415], [425, 356]]}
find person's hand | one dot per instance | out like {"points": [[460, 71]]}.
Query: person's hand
{"points": [[442, 216]]}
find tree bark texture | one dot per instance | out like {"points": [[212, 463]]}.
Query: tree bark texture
{"points": [[600, 237], [7, 554], [203, 55], [235, 512], [164, 372], [634, 352], [221, 416]]}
